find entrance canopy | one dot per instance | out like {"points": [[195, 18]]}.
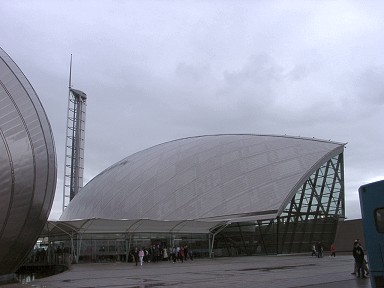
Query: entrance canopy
{"points": [[106, 226]]}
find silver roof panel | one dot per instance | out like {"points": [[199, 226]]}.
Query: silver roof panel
{"points": [[206, 178]]}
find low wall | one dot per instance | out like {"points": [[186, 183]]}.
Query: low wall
{"points": [[347, 232]]}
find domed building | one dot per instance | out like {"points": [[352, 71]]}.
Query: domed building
{"points": [[27, 167], [229, 194]]}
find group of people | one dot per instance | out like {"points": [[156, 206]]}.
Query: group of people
{"points": [[318, 250], [361, 267], [156, 253]]}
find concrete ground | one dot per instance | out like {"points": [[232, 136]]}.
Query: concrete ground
{"points": [[258, 271]]}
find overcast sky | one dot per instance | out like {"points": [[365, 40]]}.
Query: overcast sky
{"points": [[156, 71]]}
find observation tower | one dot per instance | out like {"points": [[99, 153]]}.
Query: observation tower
{"points": [[74, 143]]}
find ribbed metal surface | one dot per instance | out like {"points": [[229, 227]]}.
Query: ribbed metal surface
{"points": [[217, 177], [27, 166]]}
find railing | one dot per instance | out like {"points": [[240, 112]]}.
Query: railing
{"points": [[44, 257]]}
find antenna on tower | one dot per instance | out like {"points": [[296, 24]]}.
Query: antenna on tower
{"points": [[70, 75], [74, 142]]}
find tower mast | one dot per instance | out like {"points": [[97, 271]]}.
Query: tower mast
{"points": [[74, 142]]}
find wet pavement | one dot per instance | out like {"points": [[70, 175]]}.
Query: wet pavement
{"points": [[255, 271]]}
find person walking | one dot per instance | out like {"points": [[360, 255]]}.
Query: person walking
{"points": [[190, 254], [314, 250], [141, 256], [358, 254], [333, 250], [186, 252], [319, 249], [181, 254], [165, 254], [135, 256], [174, 254], [365, 264]]}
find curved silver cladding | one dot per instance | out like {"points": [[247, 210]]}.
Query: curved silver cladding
{"points": [[27, 166], [207, 178]]}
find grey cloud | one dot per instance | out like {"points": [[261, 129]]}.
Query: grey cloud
{"points": [[370, 85], [160, 71], [301, 71]]}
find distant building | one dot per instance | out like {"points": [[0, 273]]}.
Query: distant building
{"points": [[27, 167], [234, 194]]}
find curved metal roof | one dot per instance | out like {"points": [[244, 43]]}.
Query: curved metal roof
{"points": [[234, 177], [27, 166]]}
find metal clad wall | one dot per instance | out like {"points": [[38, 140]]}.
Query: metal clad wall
{"points": [[27, 166]]}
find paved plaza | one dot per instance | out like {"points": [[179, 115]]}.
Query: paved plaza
{"points": [[258, 271]]}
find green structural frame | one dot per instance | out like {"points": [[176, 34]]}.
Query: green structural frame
{"points": [[311, 216]]}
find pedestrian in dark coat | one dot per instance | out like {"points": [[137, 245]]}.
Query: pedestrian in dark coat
{"points": [[319, 249], [358, 254]]}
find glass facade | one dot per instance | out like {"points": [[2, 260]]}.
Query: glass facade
{"points": [[311, 216], [118, 247]]}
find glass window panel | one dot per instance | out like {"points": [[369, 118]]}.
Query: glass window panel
{"points": [[379, 219]]}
